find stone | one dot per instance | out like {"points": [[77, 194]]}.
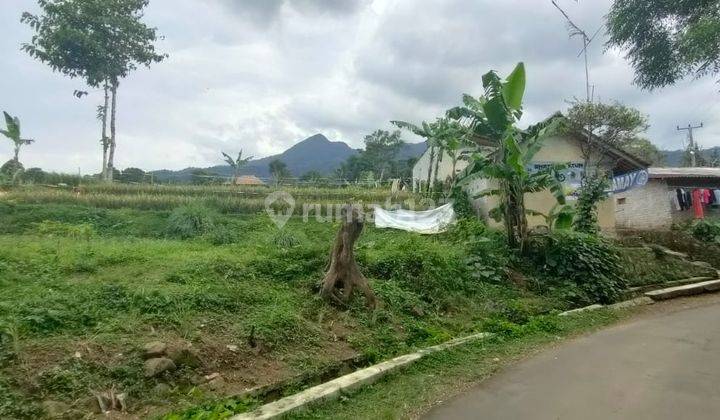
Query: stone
{"points": [[158, 365], [184, 356], [161, 389], [233, 348], [154, 349], [55, 409]]}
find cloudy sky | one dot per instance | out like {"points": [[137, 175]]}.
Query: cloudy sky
{"points": [[263, 74]]}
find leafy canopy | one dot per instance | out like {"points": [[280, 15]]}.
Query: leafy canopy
{"points": [[667, 40]]}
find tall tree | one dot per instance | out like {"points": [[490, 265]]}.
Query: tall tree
{"points": [[101, 41], [430, 132], [381, 148], [237, 164], [667, 40], [647, 151]]}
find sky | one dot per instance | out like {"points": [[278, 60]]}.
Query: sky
{"points": [[261, 75]]}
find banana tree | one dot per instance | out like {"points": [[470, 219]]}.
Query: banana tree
{"points": [[12, 132], [491, 119], [236, 164], [427, 131]]}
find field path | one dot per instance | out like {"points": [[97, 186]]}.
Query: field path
{"points": [[665, 365]]}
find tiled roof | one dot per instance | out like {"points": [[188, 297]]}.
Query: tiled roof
{"points": [[663, 173]]}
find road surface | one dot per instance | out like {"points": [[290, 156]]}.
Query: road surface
{"points": [[664, 365]]}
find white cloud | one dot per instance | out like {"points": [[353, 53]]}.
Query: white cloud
{"points": [[261, 75]]}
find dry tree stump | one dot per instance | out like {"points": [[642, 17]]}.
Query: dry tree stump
{"points": [[344, 275]]}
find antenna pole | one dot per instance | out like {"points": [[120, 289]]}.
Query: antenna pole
{"points": [[575, 31]]}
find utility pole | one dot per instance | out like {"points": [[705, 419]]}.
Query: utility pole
{"points": [[693, 147]]}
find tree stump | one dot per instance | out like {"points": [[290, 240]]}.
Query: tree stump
{"points": [[344, 275]]}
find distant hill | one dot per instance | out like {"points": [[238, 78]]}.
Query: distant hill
{"points": [[315, 153], [674, 158]]}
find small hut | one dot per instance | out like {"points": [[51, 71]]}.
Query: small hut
{"points": [[248, 180]]}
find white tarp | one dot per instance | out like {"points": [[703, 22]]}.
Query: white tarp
{"points": [[428, 221]]}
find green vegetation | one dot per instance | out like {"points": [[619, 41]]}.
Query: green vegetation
{"points": [[666, 41], [83, 288]]}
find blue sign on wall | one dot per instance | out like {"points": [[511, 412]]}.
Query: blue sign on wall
{"points": [[629, 181]]}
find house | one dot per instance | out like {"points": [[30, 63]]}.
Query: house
{"points": [[248, 180], [662, 201], [570, 149]]}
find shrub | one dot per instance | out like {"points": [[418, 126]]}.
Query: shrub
{"points": [[582, 268], [706, 231], [591, 193], [190, 221], [222, 235], [461, 204]]}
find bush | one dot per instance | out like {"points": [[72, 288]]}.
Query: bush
{"points": [[190, 221], [76, 231], [706, 231], [582, 269]]}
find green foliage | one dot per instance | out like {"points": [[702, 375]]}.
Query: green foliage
{"points": [[666, 41], [77, 231], [706, 231], [238, 163], [279, 171], [190, 221], [216, 410], [593, 190], [580, 268], [493, 117], [461, 203]]}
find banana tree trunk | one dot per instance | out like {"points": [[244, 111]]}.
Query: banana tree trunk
{"points": [[437, 164], [430, 167]]}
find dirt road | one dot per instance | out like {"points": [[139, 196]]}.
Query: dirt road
{"points": [[664, 364]]}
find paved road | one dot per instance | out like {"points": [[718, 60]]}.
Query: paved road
{"points": [[663, 366]]}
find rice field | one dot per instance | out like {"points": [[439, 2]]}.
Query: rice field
{"points": [[225, 199]]}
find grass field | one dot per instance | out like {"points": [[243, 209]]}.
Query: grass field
{"points": [[84, 286]]}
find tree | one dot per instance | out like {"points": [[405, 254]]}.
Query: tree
{"points": [[667, 40], [430, 132], [645, 150], [237, 164], [12, 132], [202, 177], [278, 171], [136, 175], [604, 125], [381, 148], [101, 41], [492, 118], [312, 177]]}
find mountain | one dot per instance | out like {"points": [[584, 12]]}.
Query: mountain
{"points": [[315, 153]]}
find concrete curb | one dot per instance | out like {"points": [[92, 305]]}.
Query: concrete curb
{"points": [[686, 290], [333, 389]]}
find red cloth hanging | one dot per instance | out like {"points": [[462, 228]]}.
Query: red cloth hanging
{"points": [[697, 204]]}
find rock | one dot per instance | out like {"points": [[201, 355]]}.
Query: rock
{"points": [[214, 384], [212, 376], [55, 409], [233, 348], [184, 356], [161, 389], [158, 365], [154, 349]]}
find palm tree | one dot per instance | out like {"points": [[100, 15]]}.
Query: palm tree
{"points": [[236, 164], [492, 118], [12, 132]]}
